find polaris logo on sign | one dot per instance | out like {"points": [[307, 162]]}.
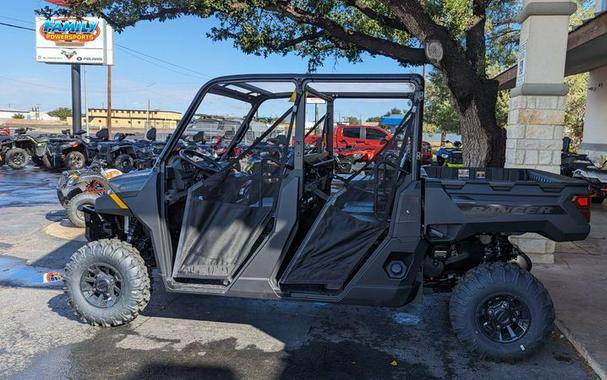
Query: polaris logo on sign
{"points": [[497, 209]]}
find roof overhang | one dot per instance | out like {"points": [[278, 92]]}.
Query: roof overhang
{"points": [[586, 50]]}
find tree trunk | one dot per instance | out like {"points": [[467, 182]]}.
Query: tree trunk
{"points": [[484, 142]]}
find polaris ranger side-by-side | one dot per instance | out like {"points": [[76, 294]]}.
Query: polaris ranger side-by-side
{"points": [[285, 226]]}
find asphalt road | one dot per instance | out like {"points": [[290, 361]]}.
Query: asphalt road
{"points": [[184, 336]]}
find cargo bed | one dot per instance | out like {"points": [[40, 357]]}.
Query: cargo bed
{"points": [[463, 202]]}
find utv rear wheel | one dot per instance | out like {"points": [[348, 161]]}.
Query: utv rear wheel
{"points": [[75, 160], [501, 311], [17, 158], [74, 214], [107, 283]]}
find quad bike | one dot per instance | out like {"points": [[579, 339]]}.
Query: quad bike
{"points": [[581, 167], [51, 151], [77, 188], [281, 229]]}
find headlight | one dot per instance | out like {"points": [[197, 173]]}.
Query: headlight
{"points": [[444, 155], [72, 179], [357, 156]]}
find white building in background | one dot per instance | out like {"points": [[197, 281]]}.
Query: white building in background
{"points": [[8, 113]]}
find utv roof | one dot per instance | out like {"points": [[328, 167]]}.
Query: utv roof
{"points": [[250, 87]]}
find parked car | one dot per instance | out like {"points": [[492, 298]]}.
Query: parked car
{"points": [[450, 155], [285, 232]]}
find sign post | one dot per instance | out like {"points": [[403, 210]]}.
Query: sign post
{"points": [[76, 106], [75, 41]]}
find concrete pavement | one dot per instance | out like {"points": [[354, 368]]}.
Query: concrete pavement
{"points": [[183, 336], [578, 285]]}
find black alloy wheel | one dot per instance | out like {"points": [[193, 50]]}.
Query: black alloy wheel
{"points": [[101, 285], [504, 318]]}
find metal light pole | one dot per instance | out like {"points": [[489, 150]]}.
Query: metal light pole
{"points": [[76, 105], [86, 104]]}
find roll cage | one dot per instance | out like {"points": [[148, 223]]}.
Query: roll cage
{"points": [[244, 88]]}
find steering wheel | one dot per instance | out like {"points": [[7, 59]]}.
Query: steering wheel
{"points": [[199, 160]]}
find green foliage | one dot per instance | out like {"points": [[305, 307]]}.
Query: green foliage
{"points": [[351, 120], [18, 116], [62, 113], [438, 108], [575, 106]]}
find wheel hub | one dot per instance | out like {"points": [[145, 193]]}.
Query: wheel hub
{"points": [[504, 318], [101, 285]]}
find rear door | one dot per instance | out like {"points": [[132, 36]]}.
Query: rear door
{"points": [[349, 136]]}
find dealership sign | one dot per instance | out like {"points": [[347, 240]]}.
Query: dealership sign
{"points": [[86, 40]]}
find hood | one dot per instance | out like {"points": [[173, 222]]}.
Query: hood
{"points": [[129, 184]]}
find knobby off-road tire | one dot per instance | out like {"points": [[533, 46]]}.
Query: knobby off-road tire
{"points": [[124, 163], [17, 158], [75, 215], [75, 160], [476, 308], [125, 262]]}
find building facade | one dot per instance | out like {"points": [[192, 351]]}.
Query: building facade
{"points": [[138, 119]]}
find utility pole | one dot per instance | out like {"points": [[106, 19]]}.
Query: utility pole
{"points": [[76, 105], [109, 100], [147, 122], [86, 104]]}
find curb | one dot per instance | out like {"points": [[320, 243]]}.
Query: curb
{"points": [[579, 347]]}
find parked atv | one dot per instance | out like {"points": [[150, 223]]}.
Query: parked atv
{"points": [[77, 188], [580, 166], [278, 230], [125, 154]]}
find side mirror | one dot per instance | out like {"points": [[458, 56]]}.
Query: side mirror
{"points": [[151, 134]]}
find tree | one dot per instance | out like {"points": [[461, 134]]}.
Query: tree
{"points": [[18, 116], [352, 120], [62, 113], [575, 108], [439, 110], [398, 29]]}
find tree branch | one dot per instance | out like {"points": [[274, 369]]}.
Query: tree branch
{"points": [[374, 15], [341, 37]]}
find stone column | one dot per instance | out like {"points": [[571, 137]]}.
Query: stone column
{"points": [[537, 103], [594, 142]]}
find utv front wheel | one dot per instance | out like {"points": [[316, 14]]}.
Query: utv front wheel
{"points": [[107, 283], [501, 311]]}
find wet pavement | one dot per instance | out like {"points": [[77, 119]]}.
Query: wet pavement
{"points": [[186, 336]]}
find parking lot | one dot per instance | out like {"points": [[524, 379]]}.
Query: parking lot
{"points": [[206, 337]]}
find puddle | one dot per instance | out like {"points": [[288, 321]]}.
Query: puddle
{"points": [[406, 319], [15, 272]]}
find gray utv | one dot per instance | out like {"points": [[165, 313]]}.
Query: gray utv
{"points": [[272, 218]]}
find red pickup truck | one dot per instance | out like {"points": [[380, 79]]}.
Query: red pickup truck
{"points": [[365, 140]]}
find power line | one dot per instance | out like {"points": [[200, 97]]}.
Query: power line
{"points": [[157, 64], [135, 53], [17, 26], [162, 60], [18, 20]]}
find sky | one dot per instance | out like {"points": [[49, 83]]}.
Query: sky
{"points": [[24, 83]]}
